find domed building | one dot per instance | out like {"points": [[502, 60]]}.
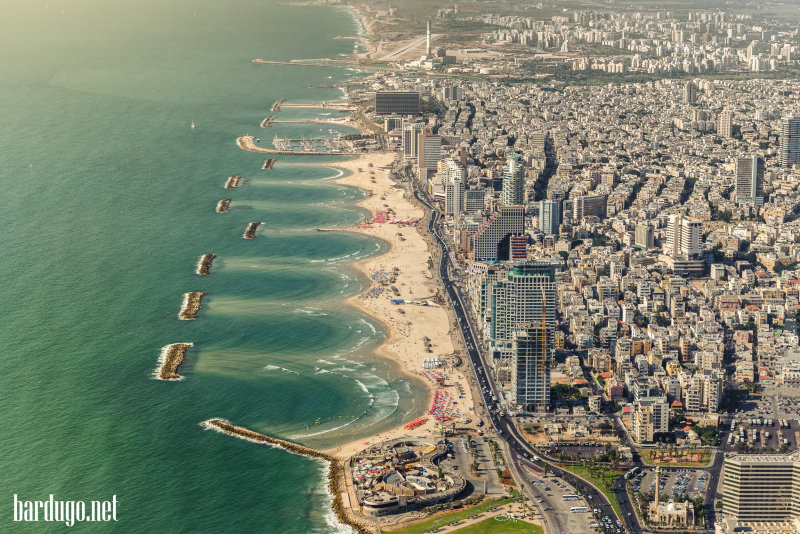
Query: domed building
{"points": [[671, 513]]}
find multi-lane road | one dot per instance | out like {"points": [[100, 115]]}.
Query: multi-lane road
{"points": [[505, 428]]}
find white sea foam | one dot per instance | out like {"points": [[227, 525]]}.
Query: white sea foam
{"points": [[278, 368]]}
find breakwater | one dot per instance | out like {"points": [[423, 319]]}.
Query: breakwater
{"points": [[268, 121], [336, 471], [250, 231], [222, 205], [190, 306], [204, 265], [277, 105], [268, 163], [233, 182], [170, 360]]}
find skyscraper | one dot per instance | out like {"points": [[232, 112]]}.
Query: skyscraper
{"points": [[513, 182], [430, 152], [491, 241], [549, 216], [725, 124], [526, 295], [790, 141], [750, 180], [411, 140], [689, 93], [454, 181]]}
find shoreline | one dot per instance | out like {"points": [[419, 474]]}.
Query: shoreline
{"points": [[406, 326]]}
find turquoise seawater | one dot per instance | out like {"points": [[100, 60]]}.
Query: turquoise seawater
{"points": [[108, 200]]}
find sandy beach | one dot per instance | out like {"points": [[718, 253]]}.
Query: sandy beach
{"points": [[406, 324]]}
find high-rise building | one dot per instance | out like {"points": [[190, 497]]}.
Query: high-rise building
{"points": [[549, 216], [589, 206], [683, 237], [750, 180], [392, 122], [474, 200], [491, 241], [430, 152], [725, 124], [690, 93], [452, 92], [411, 133], [397, 103], [761, 488], [513, 182], [531, 348], [790, 141], [526, 295], [454, 181], [643, 237]]}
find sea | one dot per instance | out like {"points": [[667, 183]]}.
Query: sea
{"points": [[108, 202]]}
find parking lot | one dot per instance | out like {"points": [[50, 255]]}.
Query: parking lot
{"points": [[677, 483], [767, 421]]}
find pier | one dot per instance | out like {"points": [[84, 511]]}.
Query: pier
{"points": [[277, 105], [190, 306], [222, 205], [204, 265], [171, 358], [268, 121], [250, 231], [233, 182]]}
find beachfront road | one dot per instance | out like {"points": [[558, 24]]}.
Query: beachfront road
{"points": [[504, 426]]}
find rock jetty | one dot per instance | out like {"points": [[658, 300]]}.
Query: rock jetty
{"points": [[222, 205], [170, 360], [250, 232], [335, 472], [204, 265], [191, 305]]}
